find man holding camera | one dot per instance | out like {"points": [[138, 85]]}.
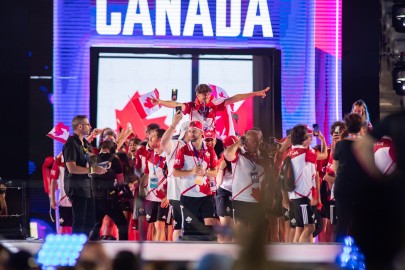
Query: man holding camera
{"points": [[105, 192], [250, 170]]}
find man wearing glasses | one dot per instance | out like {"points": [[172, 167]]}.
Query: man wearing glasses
{"points": [[76, 153]]}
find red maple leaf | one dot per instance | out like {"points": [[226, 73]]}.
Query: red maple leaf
{"points": [[256, 193], [158, 120], [149, 104], [205, 189], [129, 114], [222, 95], [161, 194], [58, 129]]}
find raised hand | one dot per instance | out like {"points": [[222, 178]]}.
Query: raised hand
{"points": [[262, 93], [155, 101]]}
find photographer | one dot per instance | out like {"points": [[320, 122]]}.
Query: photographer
{"points": [[105, 193]]}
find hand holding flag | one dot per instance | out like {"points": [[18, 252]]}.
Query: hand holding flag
{"points": [[147, 104]]}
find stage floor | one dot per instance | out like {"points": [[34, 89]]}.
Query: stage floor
{"points": [[193, 251]]}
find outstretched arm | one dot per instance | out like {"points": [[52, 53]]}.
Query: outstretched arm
{"points": [[240, 97], [168, 103]]}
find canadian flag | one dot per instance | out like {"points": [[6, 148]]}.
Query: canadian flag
{"points": [[60, 133], [144, 104], [129, 114], [225, 126]]}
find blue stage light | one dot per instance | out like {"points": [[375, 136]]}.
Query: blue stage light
{"points": [[351, 257], [60, 250]]}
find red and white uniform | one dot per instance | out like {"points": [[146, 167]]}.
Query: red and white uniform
{"points": [[140, 157], [188, 158], [154, 167], [58, 174], [227, 178], [203, 112], [243, 188], [173, 183], [304, 166], [384, 155]]}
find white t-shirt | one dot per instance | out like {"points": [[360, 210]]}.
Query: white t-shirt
{"points": [[303, 162], [227, 177], [188, 158], [173, 183], [244, 188], [156, 191]]}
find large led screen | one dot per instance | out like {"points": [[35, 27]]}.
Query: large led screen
{"points": [[308, 33]]}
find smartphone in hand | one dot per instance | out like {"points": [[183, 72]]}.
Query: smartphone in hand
{"points": [[178, 109], [315, 128], [337, 130], [174, 94]]}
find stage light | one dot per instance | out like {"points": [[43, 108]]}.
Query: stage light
{"points": [[398, 17], [60, 250], [351, 257], [398, 77]]}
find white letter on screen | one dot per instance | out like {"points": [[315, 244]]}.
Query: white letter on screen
{"points": [[233, 29], [173, 10], [114, 28], [143, 18], [263, 19], [192, 18]]}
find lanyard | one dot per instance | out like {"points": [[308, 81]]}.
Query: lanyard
{"points": [[153, 163], [197, 155]]}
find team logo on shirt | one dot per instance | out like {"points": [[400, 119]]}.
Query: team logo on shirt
{"points": [[207, 154], [177, 161], [147, 217], [189, 219]]}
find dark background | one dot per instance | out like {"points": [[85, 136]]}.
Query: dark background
{"points": [[26, 111]]}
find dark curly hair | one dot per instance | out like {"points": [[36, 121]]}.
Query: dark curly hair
{"points": [[203, 88], [298, 134]]}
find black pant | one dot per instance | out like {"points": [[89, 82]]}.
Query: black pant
{"points": [[83, 214], [111, 208]]}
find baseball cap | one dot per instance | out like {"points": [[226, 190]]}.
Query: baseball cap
{"points": [[210, 134], [309, 131], [197, 125], [183, 129], [228, 141]]}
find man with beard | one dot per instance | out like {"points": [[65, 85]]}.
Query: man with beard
{"points": [[194, 164]]}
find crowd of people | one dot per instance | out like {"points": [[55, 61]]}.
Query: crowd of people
{"points": [[185, 182]]}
